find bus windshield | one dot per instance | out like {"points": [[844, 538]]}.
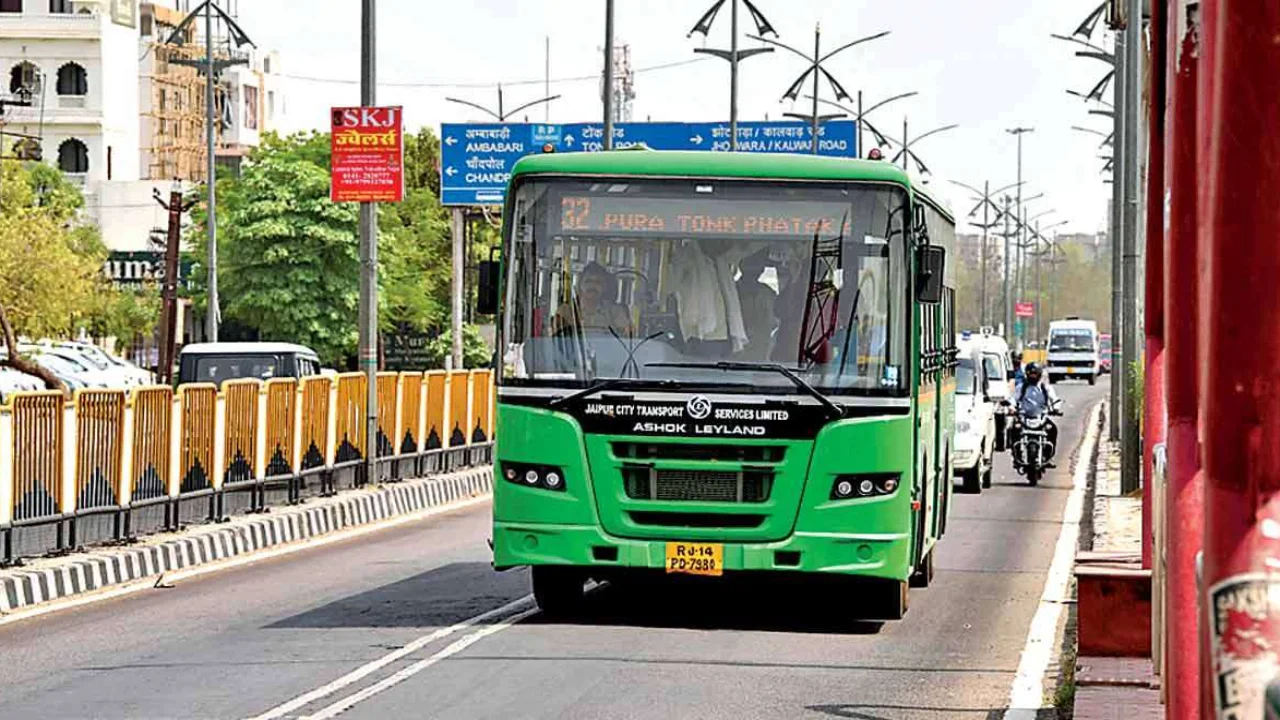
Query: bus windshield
{"points": [[1071, 340], [611, 278]]}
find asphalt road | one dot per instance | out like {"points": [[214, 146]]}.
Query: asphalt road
{"points": [[369, 629]]}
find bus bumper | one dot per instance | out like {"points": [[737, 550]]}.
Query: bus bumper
{"points": [[869, 555]]}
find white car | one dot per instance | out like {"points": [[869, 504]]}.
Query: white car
{"points": [[123, 373], [974, 447], [12, 381]]}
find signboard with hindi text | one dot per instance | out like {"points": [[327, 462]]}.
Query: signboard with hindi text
{"points": [[367, 162]]}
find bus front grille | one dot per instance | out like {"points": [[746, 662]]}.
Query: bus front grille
{"points": [[682, 451], [726, 486]]}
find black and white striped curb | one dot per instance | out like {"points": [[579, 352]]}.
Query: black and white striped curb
{"points": [[75, 575]]}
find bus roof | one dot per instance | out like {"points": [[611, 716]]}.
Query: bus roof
{"points": [[701, 164]]}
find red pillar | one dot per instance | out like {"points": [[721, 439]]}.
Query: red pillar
{"points": [[1242, 389], [1153, 413], [1204, 145], [1183, 509]]}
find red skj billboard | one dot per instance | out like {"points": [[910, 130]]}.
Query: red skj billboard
{"points": [[1025, 309], [367, 163]]}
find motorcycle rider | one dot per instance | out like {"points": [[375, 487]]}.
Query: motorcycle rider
{"points": [[1033, 397]]}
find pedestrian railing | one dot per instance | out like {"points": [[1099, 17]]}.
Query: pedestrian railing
{"points": [[110, 465]]}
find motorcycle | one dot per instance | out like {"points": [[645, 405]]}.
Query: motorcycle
{"points": [[1033, 449]]}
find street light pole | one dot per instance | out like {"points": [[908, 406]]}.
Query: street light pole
{"points": [[815, 67], [860, 116], [1017, 132], [369, 252], [608, 74], [984, 201], [733, 55]]}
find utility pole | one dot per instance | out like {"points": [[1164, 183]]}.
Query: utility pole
{"points": [[369, 251], [169, 293], [1008, 235], [608, 74], [210, 67], [815, 68], [733, 55], [1131, 442], [1017, 132], [213, 311], [1120, 160]]}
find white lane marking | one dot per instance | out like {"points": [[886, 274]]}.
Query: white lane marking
{"points": [[461, 644], [148, 583], [371, 667], [1026, 698]]}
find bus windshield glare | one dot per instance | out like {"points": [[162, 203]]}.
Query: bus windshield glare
{"points": [[612, 278]]}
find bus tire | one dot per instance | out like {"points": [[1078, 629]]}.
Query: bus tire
{"points": [[986, 474], [558, 590], [1093, 379], [894, 597], [923, 576], [972, 479]]}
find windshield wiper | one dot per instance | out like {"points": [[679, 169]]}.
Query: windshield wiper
{"points": [[606, 385], [734, 366]]}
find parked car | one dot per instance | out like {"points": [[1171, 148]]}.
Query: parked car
{"points": [[72, 373], [132, 374], [219, 362], [12, 381]]}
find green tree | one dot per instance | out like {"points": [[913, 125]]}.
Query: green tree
{"points": [[289, 257], [50, 265], [475, 351]]}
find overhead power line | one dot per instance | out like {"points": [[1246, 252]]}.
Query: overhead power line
{"points": [[446, 84]]}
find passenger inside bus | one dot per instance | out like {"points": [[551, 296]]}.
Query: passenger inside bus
{"points": [[594, 306], [757, 300]]}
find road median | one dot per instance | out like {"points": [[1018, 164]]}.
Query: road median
{"points": [[47, 582]]}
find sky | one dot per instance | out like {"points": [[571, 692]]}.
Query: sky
{"points": [[986, 65]]}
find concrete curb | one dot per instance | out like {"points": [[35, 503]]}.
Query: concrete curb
{"points": [[49, 580]]}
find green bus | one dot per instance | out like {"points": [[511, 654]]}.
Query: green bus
{"points": [[716, 363]]}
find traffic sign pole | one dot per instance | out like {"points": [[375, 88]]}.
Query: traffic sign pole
{"points": [[369, 254]]}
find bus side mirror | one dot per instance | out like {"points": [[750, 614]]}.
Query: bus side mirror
{"points": [[931, 262], [487, 288]]}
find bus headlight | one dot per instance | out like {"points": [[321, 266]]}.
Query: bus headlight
{"points": [[849, 487], [545, 477]]}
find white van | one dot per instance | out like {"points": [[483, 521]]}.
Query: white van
{"points": [[1074, 351], [997, 363], [974, 446]]}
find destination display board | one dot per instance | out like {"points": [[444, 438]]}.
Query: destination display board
{"points": [[585, 215]]}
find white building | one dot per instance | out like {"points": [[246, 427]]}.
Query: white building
{"points": [[76, 61]]}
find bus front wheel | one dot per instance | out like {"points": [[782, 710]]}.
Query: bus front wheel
{"points": [[558, 590]]}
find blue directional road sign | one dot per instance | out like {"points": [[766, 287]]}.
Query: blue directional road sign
{"points": [[476, 159]]}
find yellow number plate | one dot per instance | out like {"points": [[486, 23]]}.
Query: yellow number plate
{"points": [[1071, 371], [695, 558]]}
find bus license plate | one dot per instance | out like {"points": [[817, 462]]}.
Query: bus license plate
{"points": [[695, 558]]}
